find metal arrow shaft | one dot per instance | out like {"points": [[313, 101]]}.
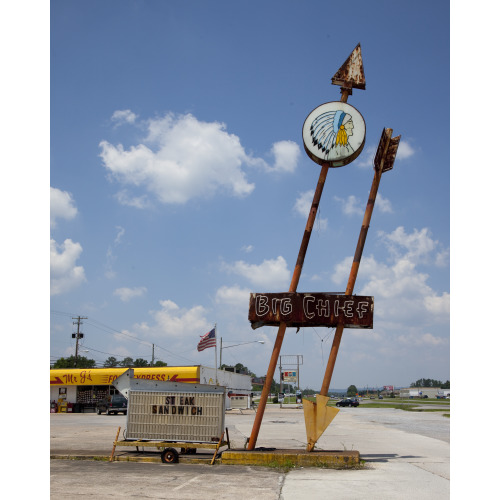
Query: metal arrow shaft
{"points": [[293, 288], [354, 269]]}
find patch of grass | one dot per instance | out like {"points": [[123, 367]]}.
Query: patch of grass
{"points": [[426, 401], [285, 466], [89, 457], [326, 465], [398, 406], [288, 465], [424, 410]]}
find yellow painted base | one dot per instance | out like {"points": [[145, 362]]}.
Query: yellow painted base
{"points": [[292, 458], [317, 417]]}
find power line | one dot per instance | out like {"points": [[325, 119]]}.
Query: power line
{"points": [[173, 354], [110, 354], [110, 330], [107, 329], [104, 328]]}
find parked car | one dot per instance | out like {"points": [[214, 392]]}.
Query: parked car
{"points": [[348, 402], [114, 404]]}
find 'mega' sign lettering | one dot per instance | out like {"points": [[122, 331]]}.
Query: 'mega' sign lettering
{"points": [[310, 309]]}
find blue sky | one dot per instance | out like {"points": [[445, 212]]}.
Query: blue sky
{"points": [[179, 183]]}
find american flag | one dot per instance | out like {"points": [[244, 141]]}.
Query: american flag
{"points": [[207, 340]]}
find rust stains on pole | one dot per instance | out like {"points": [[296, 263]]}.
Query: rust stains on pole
{"points": [[384, 161], [293, 288], [350, 75], [350, 284], [309, 226]]}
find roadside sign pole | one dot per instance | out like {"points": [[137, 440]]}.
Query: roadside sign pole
{"points": [[322, 150], [352, 278], [293, 288], [384, 160]]}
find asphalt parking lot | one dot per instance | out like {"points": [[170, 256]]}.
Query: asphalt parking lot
{"points": [[406, 454]]}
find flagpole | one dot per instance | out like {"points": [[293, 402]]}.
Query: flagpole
{"points": [[215, 329]]}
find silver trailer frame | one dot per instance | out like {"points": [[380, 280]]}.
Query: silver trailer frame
{"points": [[169, 415]]}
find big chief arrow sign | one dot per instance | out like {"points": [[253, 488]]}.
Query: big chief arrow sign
{"points": [[334, 136]]}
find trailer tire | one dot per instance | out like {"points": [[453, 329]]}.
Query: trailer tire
{"points": [[169, 456]]}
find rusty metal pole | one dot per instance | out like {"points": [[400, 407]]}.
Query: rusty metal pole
{"points": [[354, 270], [293, 288]]}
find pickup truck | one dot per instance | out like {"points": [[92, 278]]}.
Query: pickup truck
{"points": [[113, 405]]}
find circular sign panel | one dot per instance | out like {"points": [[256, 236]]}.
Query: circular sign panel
{"points": [[334, 133]]}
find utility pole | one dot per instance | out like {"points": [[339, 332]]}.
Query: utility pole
{"points": [[153, 356], [77, 335]]}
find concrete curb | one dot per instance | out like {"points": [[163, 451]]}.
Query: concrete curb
{"points": [[292, 458], [132, 457], [263, 458]]}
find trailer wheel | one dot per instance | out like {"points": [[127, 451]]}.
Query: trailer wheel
{"points": [[169, 456]]}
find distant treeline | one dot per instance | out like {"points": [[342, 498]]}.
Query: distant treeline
{"points": [[430, 382]]}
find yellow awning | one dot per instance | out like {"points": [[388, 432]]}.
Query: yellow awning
{"points": [[106, 376]]}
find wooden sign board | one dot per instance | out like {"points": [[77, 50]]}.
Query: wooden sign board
{"points": [[310, 309]]}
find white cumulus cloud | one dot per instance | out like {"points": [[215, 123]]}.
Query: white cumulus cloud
{"points": [[404, 151], [126, 294], [286, 155], [303, 207], [402, 292], [417, 244], [350, 205], [123, 116], [183, 158], [62, 206], [272, 273], [234, 296], [65, 275], [177, 324], [383, 204], [354, 206]]}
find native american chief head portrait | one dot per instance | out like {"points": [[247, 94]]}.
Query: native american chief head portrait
{"points": [[334, 133]]}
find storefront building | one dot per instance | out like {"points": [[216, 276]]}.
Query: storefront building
{"points": [[80, 389]]}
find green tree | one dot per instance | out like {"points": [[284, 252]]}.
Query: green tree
{"points": [[238, 367], [139, 362], [81, 362], [429, 382], [160, 363], [351, 391], [111, 362], [309, 392], [127, 362]]}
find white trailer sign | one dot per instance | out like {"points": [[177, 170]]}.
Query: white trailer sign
{"points": [[172, 411]]}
